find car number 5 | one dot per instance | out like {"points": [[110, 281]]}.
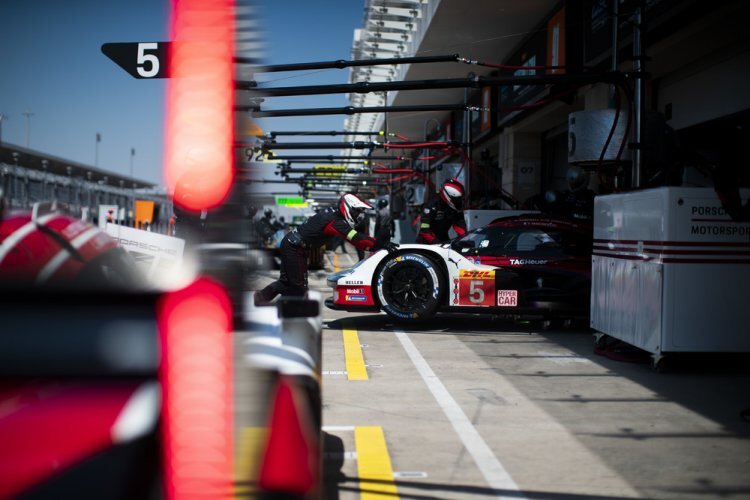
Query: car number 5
{"points": [[148, 64], [476, 292]]}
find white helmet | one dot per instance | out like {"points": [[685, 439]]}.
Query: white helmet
{"points": [[452, 193], [352, 208]]}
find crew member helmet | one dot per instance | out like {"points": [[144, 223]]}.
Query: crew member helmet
{"points": [[352, 208], [452, 193], [268, 213], [382, 203]]}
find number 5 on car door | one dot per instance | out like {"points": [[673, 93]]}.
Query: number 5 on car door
{"points": [[476, 288]]}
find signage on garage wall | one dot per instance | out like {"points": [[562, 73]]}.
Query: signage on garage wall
{"points": [[328, 170], [291, 201], [414, 193]]}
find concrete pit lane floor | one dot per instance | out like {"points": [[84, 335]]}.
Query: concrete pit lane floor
{"points": [[471, 407]]}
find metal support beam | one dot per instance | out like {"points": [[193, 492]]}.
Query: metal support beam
{"points": [[351, 145], [639, 99], [320, 145], [348, 110], [331, 132], [449, 83], [342, 63], [332, 158]]}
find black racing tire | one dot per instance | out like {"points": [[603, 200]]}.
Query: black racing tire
{"points": [[409, 287]]}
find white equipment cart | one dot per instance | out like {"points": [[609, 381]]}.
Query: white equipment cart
{"points": [[671, 272]]}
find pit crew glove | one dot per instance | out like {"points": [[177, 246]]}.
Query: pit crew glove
{"points": [[390, 247]]}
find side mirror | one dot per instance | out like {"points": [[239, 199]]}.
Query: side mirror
{"points": [[462, 246]]}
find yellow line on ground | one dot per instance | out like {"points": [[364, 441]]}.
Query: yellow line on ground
{"points": [[251, 440], [335, 262], [355, 361], [374, 464]]}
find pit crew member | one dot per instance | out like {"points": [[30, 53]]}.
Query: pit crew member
{"points": [[444, 212], [333, 221]]}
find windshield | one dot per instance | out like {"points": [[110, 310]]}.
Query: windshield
{"points": [[504, 239]]}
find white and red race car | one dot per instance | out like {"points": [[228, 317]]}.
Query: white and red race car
{"points": [[522, 265]]}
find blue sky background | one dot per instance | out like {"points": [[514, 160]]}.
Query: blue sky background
{"points": [[51, 65]]}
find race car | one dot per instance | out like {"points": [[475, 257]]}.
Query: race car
{"points": [[530, 264]]}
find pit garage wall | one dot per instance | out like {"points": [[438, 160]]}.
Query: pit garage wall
{"points": [[520, 156], [712, 88], [699, 72]]}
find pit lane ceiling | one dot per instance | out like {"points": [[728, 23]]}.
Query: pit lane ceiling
{"points": [[484, 30]]}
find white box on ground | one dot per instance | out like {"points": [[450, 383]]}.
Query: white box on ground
{"points": [[671, 271]]}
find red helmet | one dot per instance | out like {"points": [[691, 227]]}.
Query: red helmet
{"points": [[452, 193], [352, 208]]}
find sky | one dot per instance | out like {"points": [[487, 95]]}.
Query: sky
{"points": [[51, 66]]}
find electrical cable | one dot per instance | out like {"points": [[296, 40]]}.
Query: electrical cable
{"points": [[618, 105]]}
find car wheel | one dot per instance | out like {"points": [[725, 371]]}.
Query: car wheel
{"points": [[409, 287]]}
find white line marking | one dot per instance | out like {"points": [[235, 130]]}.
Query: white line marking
{"points": [[490, 467], [562, 358], [409, 474], [338, 428], [345, 455]]}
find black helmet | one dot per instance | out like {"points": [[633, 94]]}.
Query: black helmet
{"points": [[452, 193], [382, 203], [268, 213]]}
